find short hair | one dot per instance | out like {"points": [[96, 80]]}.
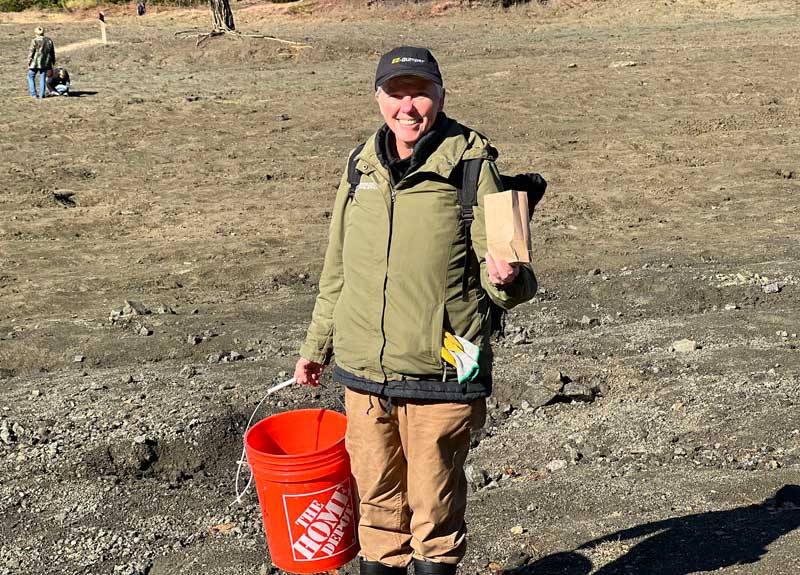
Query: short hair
{"points": [[439, 90]]}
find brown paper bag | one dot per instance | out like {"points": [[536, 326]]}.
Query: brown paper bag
{"points": [[508, 234]]}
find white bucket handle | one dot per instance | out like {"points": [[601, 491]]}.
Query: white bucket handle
{"points": [[243, 458]]}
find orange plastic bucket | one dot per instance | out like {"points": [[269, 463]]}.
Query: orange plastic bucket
{"points": [[305, 489]]}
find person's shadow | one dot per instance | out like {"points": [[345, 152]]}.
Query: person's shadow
{"points": [[79, 93], [688, 544]]}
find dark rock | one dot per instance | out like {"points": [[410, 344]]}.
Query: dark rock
{"points": [[600, 388], [577, 391], [516, 560], [541, 390], [476, 436], [8, 434], [134, 308], [520, 338], [134, 457]]}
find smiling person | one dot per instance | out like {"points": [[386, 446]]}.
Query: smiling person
{"points": [[403, 273]]}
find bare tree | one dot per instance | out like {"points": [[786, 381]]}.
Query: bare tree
{"points": [[222, 16]]}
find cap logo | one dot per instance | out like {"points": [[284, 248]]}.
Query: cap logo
{"points": [[407, 59]]}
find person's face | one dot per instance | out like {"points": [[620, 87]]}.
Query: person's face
{"points": [[409, 105]]}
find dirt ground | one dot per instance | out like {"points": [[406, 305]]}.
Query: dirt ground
{"points": [[196, 181]]}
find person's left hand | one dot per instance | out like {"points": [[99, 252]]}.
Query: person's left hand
{"points": [[500, 271], [308, 372]]}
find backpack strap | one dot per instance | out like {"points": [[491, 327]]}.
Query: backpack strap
{"points": [[467, 200], [353, 175]]}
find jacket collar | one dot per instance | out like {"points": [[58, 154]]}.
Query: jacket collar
{"points": [[454, 143]]}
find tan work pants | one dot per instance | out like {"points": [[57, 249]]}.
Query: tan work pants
{"points": [[409, 468]]}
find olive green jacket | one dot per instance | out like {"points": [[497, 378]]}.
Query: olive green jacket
{"points": [[41, 54], [392, 277]]}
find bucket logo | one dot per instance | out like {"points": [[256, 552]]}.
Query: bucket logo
{"points": [[321, 524]]}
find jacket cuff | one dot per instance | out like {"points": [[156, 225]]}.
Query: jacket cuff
{"points": [[316, 353], [522, 289]]}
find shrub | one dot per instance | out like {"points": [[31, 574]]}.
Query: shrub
{"points": [[71, 5], [20, 5]]}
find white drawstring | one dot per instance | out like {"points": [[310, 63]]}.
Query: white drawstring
{"points": [[243, 458]]}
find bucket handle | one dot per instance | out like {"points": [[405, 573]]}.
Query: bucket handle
{"points": [[243, 457]]}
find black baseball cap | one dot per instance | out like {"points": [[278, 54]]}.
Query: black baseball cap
{"points": [[407, 61]]}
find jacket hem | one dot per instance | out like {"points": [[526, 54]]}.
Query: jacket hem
{"points": [[427, 389]]}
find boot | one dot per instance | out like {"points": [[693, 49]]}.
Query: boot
{"points": [[431, 568], [375, 568]]}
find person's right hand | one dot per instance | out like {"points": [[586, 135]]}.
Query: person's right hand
{"points": [[500, 272], [308, 372]]}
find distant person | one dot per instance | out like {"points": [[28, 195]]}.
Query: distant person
{"points": [[41, 58], [141, 8], [58, 83]]}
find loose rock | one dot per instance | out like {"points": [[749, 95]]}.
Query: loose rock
{"points": [[556, 465], [684, 346], [623, 64]]}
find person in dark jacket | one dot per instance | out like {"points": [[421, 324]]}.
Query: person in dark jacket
{"points": [[58, 83], [41, 59], [392, 290]]}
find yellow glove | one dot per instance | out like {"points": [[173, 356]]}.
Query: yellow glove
{"points": [[463, 355]]}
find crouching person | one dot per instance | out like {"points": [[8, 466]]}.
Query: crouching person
{"points": [[401, 270], [58, 83]]}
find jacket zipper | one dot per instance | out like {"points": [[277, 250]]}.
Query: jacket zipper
{"points": [[393, 196]]}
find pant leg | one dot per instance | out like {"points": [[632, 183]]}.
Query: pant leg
{"points": [[436, 445], [379, 468], [31, 83], [42, 80]]}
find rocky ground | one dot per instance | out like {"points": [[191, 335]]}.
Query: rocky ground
{"points": [[161, 236]]}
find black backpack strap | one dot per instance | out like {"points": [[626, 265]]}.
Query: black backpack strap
{"points": [[467, 200], [353, 175]]}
